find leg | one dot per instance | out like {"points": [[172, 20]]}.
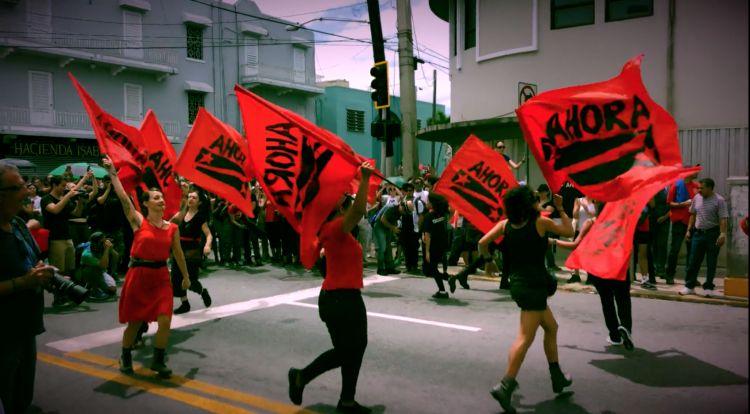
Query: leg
{"points": [[712, 258], [607, 297], [158, 363], [621, 291], [456, 246], [237, 243], [379, 233], [530, 321], [388, 257], [679, 229], [549, 325], [643, 261], [650, 262], [17, 374], [697, 253]]}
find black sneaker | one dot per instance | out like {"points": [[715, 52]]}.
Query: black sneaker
{"points": [[440, 295], [452, 284], [646, 285], [503, 393], [627, 338], [295, 392], [383, 272], [575, 279], [184, 308], [206, 298], [393, 271], [357, 408]]}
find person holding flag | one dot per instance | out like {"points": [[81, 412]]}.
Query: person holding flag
{"points": [[146, 295], [341, 306], [526, 243]]}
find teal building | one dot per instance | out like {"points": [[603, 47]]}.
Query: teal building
{"points": [[349, 112]]}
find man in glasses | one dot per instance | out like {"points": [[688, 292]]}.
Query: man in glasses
{"points": [[21, 297], [500, 148]]}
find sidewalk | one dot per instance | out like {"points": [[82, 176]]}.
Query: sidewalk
{"points": [[663, 291]]}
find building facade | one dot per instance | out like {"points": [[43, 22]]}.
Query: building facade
{"points": [[348, 113], [695, 66], [171, 56]]}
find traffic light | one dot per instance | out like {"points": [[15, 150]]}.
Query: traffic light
{"points": [[380, 94]]}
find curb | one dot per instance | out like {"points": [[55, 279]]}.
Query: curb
{"points": [[736, 303]]}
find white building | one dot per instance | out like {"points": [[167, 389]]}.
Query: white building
{"points": [[695, 66]]}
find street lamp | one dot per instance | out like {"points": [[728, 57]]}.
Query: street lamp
{"points": [[294, 28]]}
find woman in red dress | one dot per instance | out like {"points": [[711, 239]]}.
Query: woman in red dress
{"points": [[146, 295], [340, 304]]}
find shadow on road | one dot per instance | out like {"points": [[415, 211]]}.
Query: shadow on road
{"points": [[380, 295], [331, 409], [562, 404], [669, 368], [70, 310], [450, 302]]}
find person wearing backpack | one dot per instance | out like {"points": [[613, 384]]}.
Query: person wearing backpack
{"points": [[436, 240], [95, 259]]}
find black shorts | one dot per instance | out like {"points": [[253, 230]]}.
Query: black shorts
{"points": [[529, 298], [641, 237]]}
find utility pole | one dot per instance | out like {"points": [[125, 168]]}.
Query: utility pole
{"points": [[378, 51], [434, 115], [408, 90]]}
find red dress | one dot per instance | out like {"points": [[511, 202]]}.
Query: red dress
{"points": [[147, 293]]}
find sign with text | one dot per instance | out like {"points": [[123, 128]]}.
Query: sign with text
{"points": [[36, 148]]}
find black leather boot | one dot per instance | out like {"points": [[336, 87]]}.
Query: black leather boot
{"points": [[126, 361], [158, 363]]}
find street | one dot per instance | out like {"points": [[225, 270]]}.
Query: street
{"points": [[424, 356]]}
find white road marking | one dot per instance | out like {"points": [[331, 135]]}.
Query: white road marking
{"points": [[112, 336], [401, 318]]}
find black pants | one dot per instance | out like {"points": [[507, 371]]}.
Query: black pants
{"points": [[613, 292], [410, 244], [649, 261], [457, 245], [274, 235], [17, 373], [345, 316], [659, 239], [289, 239], [250, 238], [480, 262], [679, 229], [193, 267], [437, 256]]}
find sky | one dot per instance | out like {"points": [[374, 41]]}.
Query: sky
{"points": [[352, 61]]}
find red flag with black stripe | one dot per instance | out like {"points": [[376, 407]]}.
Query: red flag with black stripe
{"points": [[591, 135], [121, 142], [303, 169], [158, 171], [605, 250], [214, 157], [475, 183]]}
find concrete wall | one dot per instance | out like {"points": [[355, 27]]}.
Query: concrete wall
{"points": [[737, 240], [710, 69]]}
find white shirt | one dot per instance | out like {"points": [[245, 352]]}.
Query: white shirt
{"points": [[422, 195], [418, 209], [37, 203]]}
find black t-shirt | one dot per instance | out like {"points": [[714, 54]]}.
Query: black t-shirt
{"points": [[192, 229], [569, 195], [110, 215], [57, 224], [437, 227]]}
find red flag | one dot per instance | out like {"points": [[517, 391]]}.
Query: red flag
{"points": [[158, 172], [372, 190], [605, 250], [304, 169], [215, 158], [590, 134], [120, 141], [475, 183]]}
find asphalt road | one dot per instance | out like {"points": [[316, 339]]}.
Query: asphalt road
{"points": [[423, 356]]}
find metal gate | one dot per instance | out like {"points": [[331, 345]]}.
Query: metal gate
{"points": [[722, 152]]}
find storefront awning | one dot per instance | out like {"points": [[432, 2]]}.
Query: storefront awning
{"points": [[454, 134]]}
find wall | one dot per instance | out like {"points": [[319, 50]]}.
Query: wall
{"points": [[737, 240]]}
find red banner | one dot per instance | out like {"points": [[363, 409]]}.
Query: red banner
{"points": [[214, 157], [120, 141], [158, 172], [303, 169], [591, 135], [605, 250], [475, 183]]}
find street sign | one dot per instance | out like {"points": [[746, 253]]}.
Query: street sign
{"points": [[526, 91]]}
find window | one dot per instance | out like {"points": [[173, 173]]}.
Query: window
{"points": [[616, 10], [355, 120], [251, 56], [419, 124], [133, 104], [572, 13], [194, 42], [470, 24], [195, 102]]}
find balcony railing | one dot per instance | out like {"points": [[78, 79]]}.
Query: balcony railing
{"points": [[71, 120], [15, 27], [263, 70]]}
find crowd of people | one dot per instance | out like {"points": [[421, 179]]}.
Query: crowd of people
{"points": [[90, 230]]}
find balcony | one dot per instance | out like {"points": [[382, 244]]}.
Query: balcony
{"points": [[116, 53], [54, 123], [256, 74]]}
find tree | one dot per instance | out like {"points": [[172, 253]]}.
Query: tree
{"points": [[441, 119]]}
